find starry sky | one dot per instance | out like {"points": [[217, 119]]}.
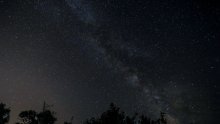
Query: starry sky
{"points": [[146, 56]]}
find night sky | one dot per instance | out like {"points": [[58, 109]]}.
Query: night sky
{"points": [[146, 56]]}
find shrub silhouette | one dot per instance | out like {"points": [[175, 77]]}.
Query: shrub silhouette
{"points": [[4, 114]]}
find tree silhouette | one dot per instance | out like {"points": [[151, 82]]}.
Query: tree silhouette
{"points": [[46, 117], [111, 116], [71, 121], [67, 122], [32, 117], [144, 120], [114, 116], [28, 117], [162, 119], [93, 121], [4, 114]]}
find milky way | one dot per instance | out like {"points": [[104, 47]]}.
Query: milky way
{"points": [[80, 55]]}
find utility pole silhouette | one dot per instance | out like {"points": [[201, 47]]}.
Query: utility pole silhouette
{"points": [[72, 118], [46, 106], [46, 116]]}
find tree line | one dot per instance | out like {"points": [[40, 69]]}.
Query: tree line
{"points": [[111, 116]]}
